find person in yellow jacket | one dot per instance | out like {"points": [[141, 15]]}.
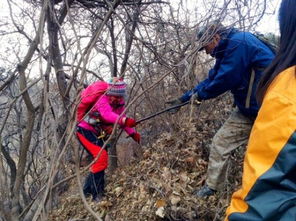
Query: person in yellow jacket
{"points": [[268, 189]]}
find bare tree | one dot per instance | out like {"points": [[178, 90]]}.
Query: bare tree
{"points": [[57, 47]]}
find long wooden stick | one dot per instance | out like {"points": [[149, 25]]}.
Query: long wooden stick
{"points": [[163, 111]]}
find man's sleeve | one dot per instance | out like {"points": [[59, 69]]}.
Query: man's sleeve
{"points": [[226, 75]]}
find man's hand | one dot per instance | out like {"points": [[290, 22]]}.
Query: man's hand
{"points": [[137, 137], [174, 103], [195, 99]]}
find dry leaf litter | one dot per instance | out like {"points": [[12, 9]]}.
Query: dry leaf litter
{"points": [[161, 185]]}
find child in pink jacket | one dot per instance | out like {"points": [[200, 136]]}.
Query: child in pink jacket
{"points": [[95, 128]]}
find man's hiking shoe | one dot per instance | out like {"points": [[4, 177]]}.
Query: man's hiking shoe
{"points": [[204, 191], [98, 198]]}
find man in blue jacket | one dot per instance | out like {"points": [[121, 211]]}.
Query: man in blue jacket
{"points": [[240, 60]]}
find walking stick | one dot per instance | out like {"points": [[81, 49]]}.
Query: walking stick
{"points": [[160, 112]]}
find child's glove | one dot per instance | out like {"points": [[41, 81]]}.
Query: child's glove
{"points": [[136, 136], [129, 122]]}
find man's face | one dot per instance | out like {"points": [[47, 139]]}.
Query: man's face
{"points": [[209, 48]]}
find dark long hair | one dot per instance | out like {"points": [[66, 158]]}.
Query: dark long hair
{"points": [[286, 56]]}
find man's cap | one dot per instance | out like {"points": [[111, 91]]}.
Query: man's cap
{"points": [[206, 33]]}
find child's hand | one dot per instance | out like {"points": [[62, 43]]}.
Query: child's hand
{"points": [[129, 122], [137, 137]]}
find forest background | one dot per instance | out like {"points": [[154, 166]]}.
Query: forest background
{"points": [[52, 49]]}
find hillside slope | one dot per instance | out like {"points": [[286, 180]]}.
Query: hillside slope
{"points": [[160, 186]]}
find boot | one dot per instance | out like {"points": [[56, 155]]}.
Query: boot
{"points": [[94, 185], [205, 191]]}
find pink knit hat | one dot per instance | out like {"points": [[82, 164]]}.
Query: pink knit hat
{"points": [[117, 87]]}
